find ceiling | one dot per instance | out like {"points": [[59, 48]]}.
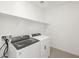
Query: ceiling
{"points": [[49, 4]]}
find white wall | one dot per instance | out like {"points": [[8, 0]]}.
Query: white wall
{"points": [[28, 10], [64, 27], [16, 25], [24, 9]]}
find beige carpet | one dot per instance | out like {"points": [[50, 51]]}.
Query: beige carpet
{"points": [[55, 53]]}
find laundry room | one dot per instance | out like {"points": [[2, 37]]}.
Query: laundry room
{"points": [[39, 29]]}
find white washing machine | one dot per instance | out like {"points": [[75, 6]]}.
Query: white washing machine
{"points": [[18, 51], [45, 47]]}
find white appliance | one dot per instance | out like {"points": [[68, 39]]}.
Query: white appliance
{"points": [[39, 49], [45, 47], [31, 51]]}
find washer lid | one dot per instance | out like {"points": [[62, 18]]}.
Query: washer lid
{"points": [[24, 43]]}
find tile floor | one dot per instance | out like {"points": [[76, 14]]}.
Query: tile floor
{"points": [[55, 53]]}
